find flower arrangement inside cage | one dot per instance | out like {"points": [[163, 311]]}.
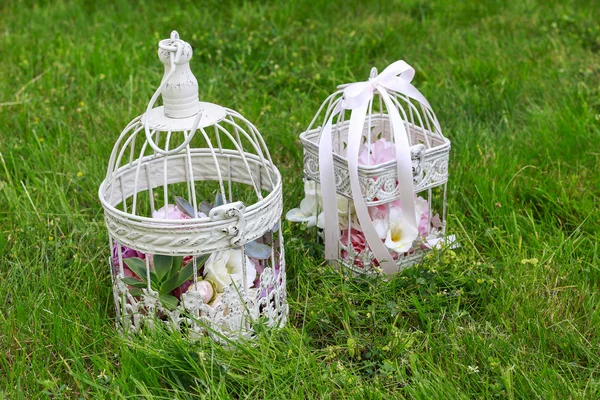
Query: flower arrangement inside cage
{"points": [[192, 204], [376, 165]]}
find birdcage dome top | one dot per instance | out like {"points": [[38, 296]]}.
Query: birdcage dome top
{"points": [[192, 150], [421, 124]]}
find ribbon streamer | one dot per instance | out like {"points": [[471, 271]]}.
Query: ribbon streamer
{"points": [[356, 97]]}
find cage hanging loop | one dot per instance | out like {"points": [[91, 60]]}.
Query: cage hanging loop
{"points": [[179, 89], [373, 73]]}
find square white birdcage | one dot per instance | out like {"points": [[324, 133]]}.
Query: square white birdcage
{"points": [[383, 133]]}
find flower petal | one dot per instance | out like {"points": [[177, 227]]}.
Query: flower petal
{"points": [[296, 215], [311, 221], [321, 221], [309, 205]]}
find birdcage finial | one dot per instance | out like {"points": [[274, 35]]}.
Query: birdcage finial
{"points": [[179, 87]]}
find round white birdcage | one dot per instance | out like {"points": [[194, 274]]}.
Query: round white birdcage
{"points": [[380, 144], [192, 202]]}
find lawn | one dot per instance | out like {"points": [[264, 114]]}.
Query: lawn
{"points": [[513, 313]]}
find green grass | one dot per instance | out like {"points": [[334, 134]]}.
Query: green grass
{"points": [[514, 313]]}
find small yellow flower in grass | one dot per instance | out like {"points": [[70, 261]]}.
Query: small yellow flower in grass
{"points": [[532, 261], [50, 238], [79, 174], [480, 281], [102, 76], [41, 139]]}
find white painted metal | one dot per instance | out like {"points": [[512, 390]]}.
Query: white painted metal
{"points": [[194, 143], [429, 152]]}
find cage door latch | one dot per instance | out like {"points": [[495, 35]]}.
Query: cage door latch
{"points": [[236, 229]]}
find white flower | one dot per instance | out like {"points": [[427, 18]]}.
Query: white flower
{"points": [[343, 207], [306, 213], [308, 206], [321, 220], [401, 235], [381, 217], [313, 202], [224, 267], [346, 206], [381, 226]]}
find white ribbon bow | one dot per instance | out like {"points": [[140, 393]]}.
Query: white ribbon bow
{"points": [[356, 97]]}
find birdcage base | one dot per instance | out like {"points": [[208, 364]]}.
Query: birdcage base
{"points": [[366, 265], [232, 316]]}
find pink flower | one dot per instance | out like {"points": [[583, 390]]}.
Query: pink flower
{"points": [[259, 270], [357, 260], [204, 288], [436, 222], [182, 289], [381, 211], [359, 244], [377, 153], [422, 210], [126, 252], [173, 213], [357, 238]]}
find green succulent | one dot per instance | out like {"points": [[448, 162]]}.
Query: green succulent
{"points": [[169, 273]]}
